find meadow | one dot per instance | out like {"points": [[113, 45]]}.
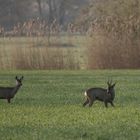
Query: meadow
{"points": [[49, 106]]}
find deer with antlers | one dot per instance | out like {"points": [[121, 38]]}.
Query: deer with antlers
{"points": [[9, 92], [100, 94]]}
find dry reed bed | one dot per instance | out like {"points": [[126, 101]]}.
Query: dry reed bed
{"points": [[37, 56], [115, 43]]}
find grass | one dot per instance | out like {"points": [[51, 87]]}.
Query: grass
{"points": [[49, 106]]}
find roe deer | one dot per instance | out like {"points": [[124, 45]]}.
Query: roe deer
{"points": [[101, 94], [9, 92]]}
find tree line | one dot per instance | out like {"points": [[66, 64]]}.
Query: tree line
{"points": [[63, 11]]}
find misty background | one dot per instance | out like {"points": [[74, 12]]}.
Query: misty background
{"points": [[69, 34]]}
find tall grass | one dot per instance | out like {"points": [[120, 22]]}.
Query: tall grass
{"points": [[42, 48], [115, 44], [39, 58], [34, 53]]}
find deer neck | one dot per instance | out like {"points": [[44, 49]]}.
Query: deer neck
{"points": [[113, 94], [16, 88]]}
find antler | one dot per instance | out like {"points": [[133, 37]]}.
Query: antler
{"points": [[109, 82], [21, 77]]}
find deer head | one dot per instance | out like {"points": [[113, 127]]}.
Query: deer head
{"points": [[19, 81], [111, 87]]}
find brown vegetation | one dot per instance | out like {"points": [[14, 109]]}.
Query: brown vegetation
{"points": [[113, 30], [115, 44], [115, 35], [38, 58]]}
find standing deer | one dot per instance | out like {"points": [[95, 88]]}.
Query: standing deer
{"points": [[101, 94], [9, 92]]}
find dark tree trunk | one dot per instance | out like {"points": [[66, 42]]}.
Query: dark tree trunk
{"points": [[39, 8]]}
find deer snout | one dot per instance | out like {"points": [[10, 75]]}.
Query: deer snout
{"points": [[19, 84]]}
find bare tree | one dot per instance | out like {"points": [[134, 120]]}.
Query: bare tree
{"points": [[39, 7]]}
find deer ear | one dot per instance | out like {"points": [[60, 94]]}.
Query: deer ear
{"points": [[108, 83], [114, 85], [16, 78], [21, 78]]}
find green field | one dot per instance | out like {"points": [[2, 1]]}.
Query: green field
{"points": [[49, 106]]}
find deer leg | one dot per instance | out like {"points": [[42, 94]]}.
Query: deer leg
{"points": [[86, 102], [112, 103], [91, 102], [8, 100], [106, 105]]}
